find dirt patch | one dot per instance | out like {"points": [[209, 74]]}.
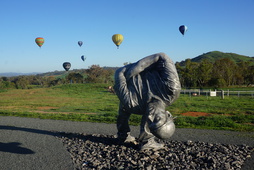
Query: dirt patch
{"points": [[196, 114], [14, 107], [46, 108], [41, 111]]}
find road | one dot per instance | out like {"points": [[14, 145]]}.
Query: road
{"points": [[31, 144]]}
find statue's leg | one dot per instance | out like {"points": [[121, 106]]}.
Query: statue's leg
{"points": [[145, 133], [123, 127], [146, 138]]}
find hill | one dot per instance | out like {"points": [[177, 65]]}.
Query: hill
{"points": [[13, 74], [216, 55], [63, 73]]}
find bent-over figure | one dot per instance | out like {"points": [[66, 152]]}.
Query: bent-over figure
{"points": [[147, 87]]}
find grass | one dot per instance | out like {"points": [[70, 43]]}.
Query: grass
{"points": [[93, 103], [230, 113], [216, 105]]}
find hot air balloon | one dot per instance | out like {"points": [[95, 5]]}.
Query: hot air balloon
{"points": [[117, 39], [183, 29], [66, 66], [83, 58], [80, 43], [39, 41]]}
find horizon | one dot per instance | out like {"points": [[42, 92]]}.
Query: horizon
{"points": [[13, 74]]}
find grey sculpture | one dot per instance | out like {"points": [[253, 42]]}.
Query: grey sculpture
{"points": [[147, 87]]}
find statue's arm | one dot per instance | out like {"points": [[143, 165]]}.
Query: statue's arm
{"points": [[142, 64], [120, 87]]}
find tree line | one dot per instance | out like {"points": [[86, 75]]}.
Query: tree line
{"points": [[222, 73], [95, 74]]}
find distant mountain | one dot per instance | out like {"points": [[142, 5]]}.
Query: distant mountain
{"points": [[63, 73], [216, 55], [13, 74], [52, 73]]}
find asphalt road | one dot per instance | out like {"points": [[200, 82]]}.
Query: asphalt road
{"points": [[31, 144]]}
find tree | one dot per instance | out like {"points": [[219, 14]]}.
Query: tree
{"points": [[75, 78], [5, 83], [180, 71], [96, 74], [245, 72], [204, 71], [126, 63], [249, 78], [190, 72], [21, 82], [54, 82], [224, 70]]}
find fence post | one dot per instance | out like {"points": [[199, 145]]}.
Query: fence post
{"points": [[228, 92], [222, 94]]}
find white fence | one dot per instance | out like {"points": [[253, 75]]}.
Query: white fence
{"points": [[220, 93]]}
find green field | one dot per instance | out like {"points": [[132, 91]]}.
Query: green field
{"points": [[94, 103]]}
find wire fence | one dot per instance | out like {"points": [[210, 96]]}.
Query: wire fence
{"points": [[218, 93]]}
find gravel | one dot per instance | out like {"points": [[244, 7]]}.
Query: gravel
{"points": [[97, 151]]}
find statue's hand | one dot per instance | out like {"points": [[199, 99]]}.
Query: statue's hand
{"points": [[141, 65], [160, 65]]}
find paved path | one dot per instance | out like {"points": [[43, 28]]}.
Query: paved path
{"points": [[31, 144]]}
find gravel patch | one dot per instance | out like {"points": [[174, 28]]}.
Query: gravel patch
{"points": [[96, 151]]}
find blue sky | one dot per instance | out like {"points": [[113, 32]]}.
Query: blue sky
{"points": [[148, 27]]}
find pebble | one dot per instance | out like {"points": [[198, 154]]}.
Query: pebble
{"points": [[96, 151]]}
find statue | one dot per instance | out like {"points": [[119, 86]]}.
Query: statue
{"points": [[147, 87]]}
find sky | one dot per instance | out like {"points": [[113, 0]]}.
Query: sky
{"points": [[148, 27]]}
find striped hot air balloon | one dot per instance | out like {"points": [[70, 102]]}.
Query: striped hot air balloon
{"points": [[117, 39], [39, 41]]}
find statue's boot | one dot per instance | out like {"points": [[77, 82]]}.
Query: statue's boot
{"points": [[152, 145], [127, 139]]}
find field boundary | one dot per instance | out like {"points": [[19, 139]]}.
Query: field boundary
{"points": [[220, 93]]}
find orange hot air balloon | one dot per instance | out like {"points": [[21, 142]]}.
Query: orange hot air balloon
{"points": [[39, 41]]}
